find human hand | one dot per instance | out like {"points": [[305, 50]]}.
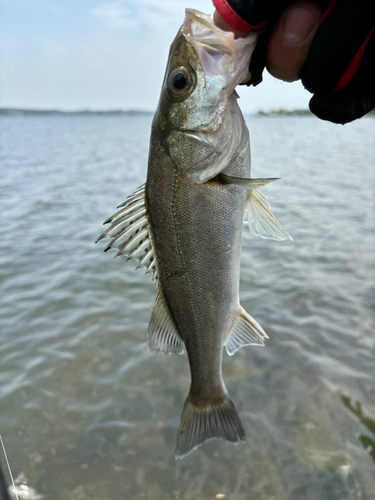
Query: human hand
{"points": [[333, 55]]}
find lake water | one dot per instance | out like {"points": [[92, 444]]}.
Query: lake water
{"points": [[86, 412]]}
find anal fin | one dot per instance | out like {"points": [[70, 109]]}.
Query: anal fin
{"points": [[162, 333], [246, 331]]}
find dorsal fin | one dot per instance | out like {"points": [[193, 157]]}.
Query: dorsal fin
{"points": [[163, 335], [130, 232], [246, 331]]}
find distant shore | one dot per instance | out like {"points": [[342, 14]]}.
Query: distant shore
{"points": [[114, 112], [135, 112], [83, 112], [286, 112], [297, 112]]}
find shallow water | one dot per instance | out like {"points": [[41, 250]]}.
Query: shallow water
{"points": [[86, 412]]}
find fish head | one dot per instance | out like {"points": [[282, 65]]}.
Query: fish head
{"points": [[198, 115]]}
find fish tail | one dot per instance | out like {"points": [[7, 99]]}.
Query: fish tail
{"points": [[199, 423]]}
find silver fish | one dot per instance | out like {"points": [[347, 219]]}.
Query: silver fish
{"points": [[185, 224]]}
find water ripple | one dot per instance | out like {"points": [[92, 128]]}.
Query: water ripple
{"points": [[88, 412]]}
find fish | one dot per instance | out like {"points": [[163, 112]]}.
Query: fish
{"points": [[184, 225]]}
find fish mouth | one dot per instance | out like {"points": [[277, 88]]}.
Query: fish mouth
{"points": [[199, 27], [220, 55]]}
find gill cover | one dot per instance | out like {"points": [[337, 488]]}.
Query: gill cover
{"points": [[204, 121]]}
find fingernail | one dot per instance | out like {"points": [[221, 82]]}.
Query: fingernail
{"points": [[298, 23]]}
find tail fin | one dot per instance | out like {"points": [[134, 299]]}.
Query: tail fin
{"points": [[199, 423]]}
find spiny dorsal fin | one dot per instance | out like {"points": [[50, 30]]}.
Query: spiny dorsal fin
{"points": [[246, 331], [130, 233], [260, 218], [162, 333]]}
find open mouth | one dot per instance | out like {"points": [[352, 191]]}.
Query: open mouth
{"points": [[202, 30], [219, 53]]}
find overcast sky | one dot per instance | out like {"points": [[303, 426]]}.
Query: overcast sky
{"points": [[103, 54]]}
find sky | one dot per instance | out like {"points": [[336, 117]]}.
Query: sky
{"points": [[102, 55]]}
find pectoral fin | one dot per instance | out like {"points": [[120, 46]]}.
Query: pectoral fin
{"points": [[246, 331], [261, 221], [163, 335], [242, 181]]}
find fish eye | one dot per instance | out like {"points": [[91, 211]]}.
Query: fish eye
{"points": [[180, 81]]}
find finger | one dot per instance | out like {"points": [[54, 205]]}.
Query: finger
{"points": [[291, 38]]}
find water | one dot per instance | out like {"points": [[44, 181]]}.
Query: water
{"points": [[86, 412]]}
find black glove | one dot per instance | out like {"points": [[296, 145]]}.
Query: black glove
{"points": [[340, 67]]}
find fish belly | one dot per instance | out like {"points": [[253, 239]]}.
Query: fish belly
{"points": [[197, 231]]}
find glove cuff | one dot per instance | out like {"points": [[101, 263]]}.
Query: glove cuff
{"points": [[231, 17]]}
